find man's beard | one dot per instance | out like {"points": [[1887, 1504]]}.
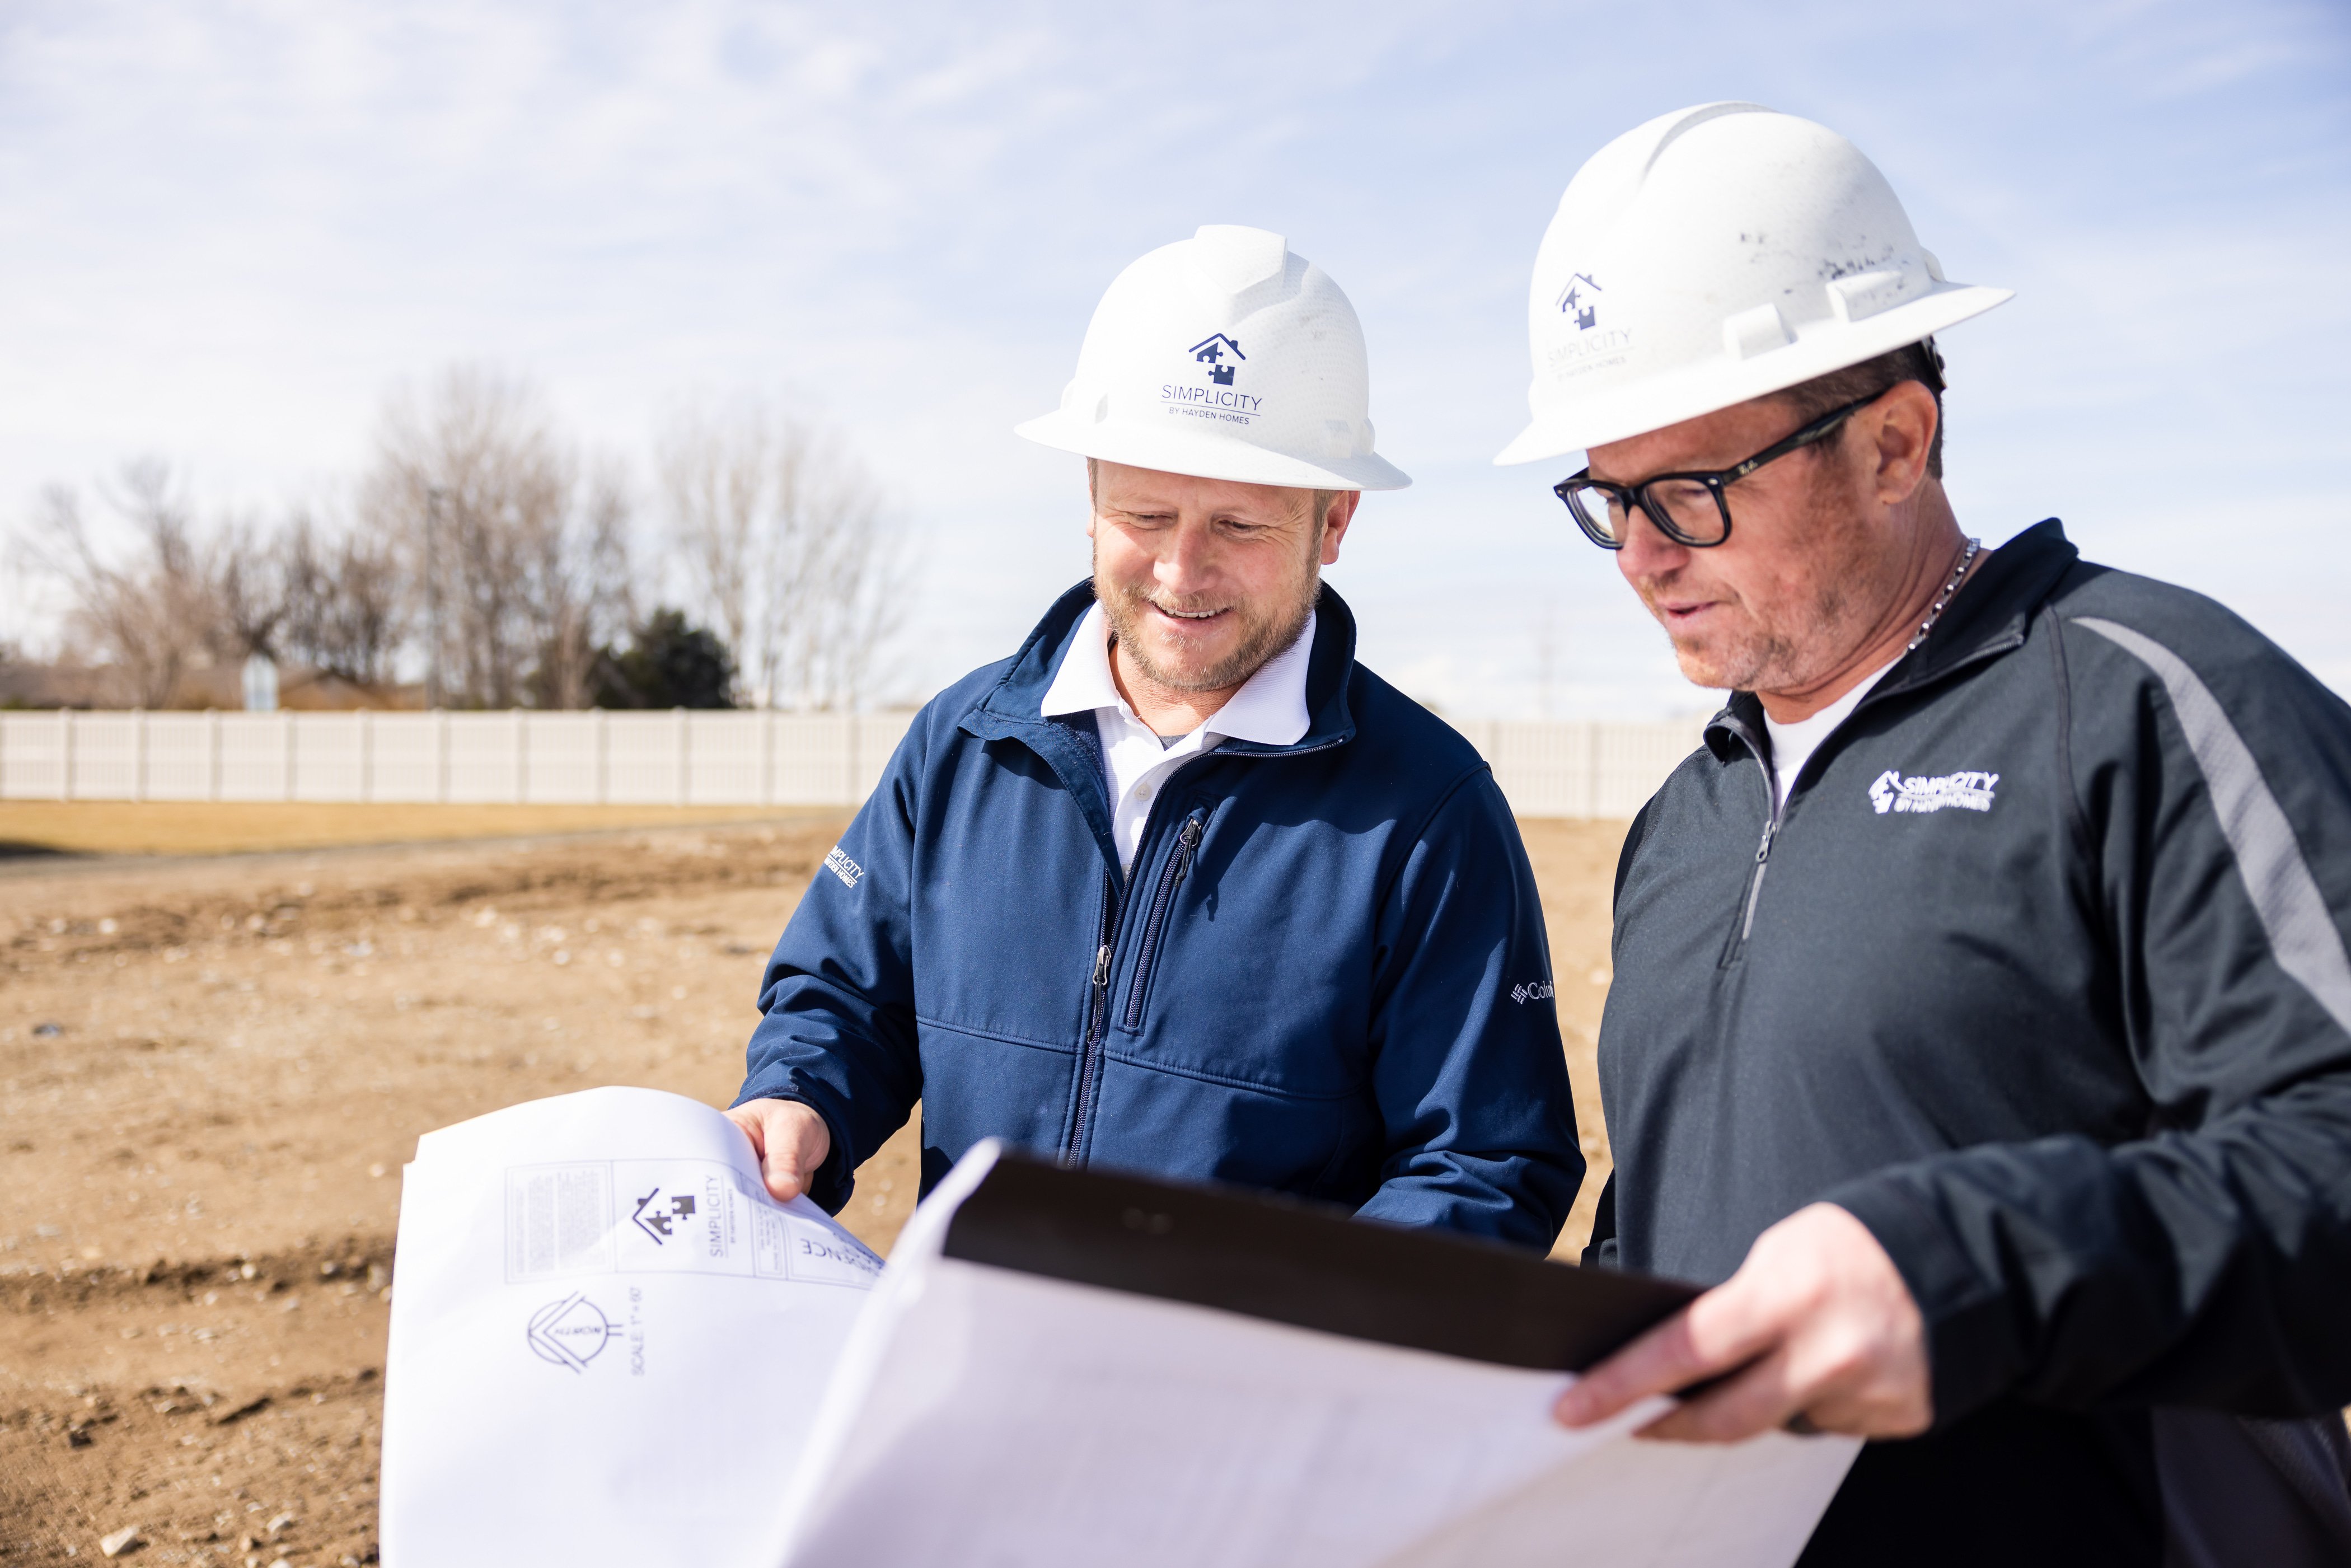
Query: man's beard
{"points": [[1265, 635], [1760, 658], [1803, 638]]}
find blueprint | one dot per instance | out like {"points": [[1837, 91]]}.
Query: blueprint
{"points": [[609, 1347], [607, 1339]]}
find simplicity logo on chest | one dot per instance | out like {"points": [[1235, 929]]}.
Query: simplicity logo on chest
{"points": [[1952, 791]]}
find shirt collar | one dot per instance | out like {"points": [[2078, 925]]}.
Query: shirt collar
{"points": [[1270, 708]]}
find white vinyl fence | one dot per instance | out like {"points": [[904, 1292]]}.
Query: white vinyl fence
{"points": [[1579, 768], [677, 758]]}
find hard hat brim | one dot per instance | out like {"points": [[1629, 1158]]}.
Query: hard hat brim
{"points": [[1207, 456], [1618, 414]]}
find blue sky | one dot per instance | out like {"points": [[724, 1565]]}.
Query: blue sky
{"points": [[227, 232]]}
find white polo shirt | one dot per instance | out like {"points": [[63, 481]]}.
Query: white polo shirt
{"points": [[1269, 709]]}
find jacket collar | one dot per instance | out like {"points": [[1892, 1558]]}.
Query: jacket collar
{"points": [[1271, 706], [1012, 709], [1986, 618]]}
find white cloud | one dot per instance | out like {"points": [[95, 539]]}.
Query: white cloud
{"points": [[229, 229]]}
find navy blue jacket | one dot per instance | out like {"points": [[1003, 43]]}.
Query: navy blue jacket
{"points": [[1326, 973]]}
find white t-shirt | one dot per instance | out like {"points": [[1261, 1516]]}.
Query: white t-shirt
{"points": [[1270, 708], [1793, 745]]}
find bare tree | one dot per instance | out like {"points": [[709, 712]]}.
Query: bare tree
{"points": [[493, 523], [342, 600], [789, 548], [247, 591], [714, 470], [848, 582], [584, 589], [170, 604]]}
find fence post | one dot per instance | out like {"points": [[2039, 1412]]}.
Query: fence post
{"points": [[138, 754], [603, 759], [286, 745], [521, 754], [64, 753], [367, 755], [1593, 730], [683, 753], [212, 754], [767, 756], [440, 756]]}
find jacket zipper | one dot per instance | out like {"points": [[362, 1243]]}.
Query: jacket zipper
{"points": [[1155, 922], [1097, 1017], [1738, 945], [1755, 884]]}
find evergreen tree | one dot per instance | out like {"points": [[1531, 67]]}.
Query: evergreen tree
{"points": [[669, 663]]}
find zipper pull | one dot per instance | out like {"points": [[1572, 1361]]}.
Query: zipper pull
{"points": [[1101, 967], [1763, 849], [1186, 841]]}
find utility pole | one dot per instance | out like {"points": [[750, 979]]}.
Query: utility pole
{"points": [[1546, 658], [433, 496]]}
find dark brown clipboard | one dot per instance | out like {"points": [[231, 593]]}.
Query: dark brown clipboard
{"points": [[1309, 1265]]}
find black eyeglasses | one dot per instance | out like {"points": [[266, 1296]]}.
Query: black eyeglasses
{"points": [[1688, 508]]}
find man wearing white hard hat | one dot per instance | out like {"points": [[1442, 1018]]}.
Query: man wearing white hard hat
{"points": [[1982, 1017], [1180, 886]]}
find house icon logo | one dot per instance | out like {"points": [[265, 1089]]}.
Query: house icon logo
{"points": [[1211, 351], [1577, 301], [659, 1222]]}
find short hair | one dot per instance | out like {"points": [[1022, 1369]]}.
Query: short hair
{"points": [[1919, 362], [1321, 502]]}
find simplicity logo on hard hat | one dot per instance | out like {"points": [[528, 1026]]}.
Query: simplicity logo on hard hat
{"points": [[1574, 302], [1211, 402], [1588, 349], [1210, 350]]}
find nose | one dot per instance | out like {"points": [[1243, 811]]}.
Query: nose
{"points": [[1647, 553], [1184, 565]]}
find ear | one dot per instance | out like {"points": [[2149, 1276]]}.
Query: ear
{"points": [[1334, 522], [1902, 424]]}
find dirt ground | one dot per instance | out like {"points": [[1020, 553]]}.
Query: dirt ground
{"points": [[47, 829], [211, 1070]]}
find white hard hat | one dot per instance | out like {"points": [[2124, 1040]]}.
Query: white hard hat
{"points": [[1226, 356], [1712, 256]]}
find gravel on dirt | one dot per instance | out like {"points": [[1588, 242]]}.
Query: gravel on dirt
{"points": [[212, 1071]]}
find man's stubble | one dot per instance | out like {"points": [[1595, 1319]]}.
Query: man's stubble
{"points": [[1266, 634], [1790, 645]]}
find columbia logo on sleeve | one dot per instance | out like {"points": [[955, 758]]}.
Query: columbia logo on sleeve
{"points": [[841, 867], [1533, 991], [1963, 791]]}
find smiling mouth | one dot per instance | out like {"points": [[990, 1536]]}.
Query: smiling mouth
{"points": [[1188, 614]]}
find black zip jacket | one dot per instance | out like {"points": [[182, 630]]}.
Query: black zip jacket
{"points": [[2039, 971]]}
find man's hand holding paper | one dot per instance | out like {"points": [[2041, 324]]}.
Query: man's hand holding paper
{"points": [[1816, 1331], [790, 1141]]}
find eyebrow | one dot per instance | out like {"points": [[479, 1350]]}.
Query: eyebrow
{"points": [[1169, 511]]}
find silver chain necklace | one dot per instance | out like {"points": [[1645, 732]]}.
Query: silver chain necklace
{"points": [[1967, 559]]}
